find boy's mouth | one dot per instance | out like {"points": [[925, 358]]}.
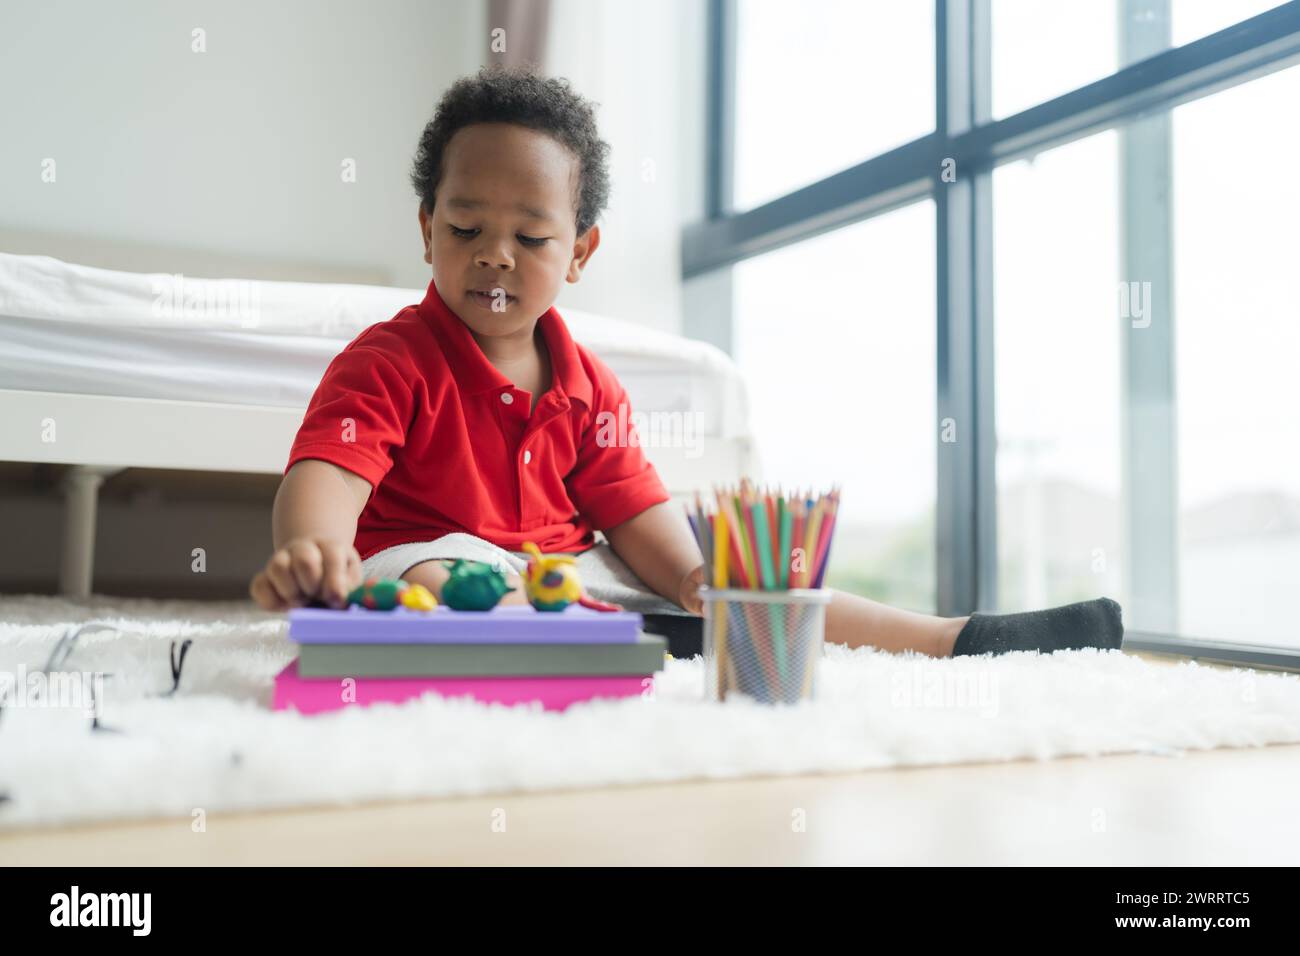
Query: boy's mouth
{"points": [[488, 298]]}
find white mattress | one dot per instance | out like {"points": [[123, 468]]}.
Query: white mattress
{"points": [[72, 328]]}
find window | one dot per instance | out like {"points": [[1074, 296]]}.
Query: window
{"points": [[1237, 334], [1057, 362], [1042, 50], [836, 338], [1142, 448], [1236, 343], [818, 92]]}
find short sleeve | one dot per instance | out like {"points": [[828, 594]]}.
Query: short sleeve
{"points": [[613, 481], [358, 416]]}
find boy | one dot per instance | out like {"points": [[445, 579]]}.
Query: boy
{"points": [[465, 426]]}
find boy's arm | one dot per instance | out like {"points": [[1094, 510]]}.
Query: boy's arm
{"points": [[313, 524], [659, 546], [356, 418], [318, 499]]}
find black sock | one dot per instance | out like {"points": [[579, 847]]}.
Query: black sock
{"points": [[1086, 624]]}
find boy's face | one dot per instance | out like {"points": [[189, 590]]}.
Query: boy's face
{"points": [[502, 237]]}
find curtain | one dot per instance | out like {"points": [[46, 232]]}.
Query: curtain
{"points": [[517, 32]]}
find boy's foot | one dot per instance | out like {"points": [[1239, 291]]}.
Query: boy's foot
{"points": [[1095, 623]]}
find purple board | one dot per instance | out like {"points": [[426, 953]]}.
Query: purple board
{"points": [[511, 624]]}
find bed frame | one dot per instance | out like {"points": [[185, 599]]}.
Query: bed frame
{"points": [[100, 435]]}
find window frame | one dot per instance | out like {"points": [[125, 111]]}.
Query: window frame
{"points": [[1136, 100]]}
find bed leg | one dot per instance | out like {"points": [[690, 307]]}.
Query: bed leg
{"points": [[80, 501]]}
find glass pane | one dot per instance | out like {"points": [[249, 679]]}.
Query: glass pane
{"points": [[1057, 367], [1237, 295], [1193, 19], [1044, 49], [1236, 351], [826, 84], [836, 338]]}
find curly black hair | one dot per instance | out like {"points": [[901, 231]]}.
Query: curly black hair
{"points": [[499, 94]]}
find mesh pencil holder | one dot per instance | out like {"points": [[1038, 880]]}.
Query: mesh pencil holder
{"points": [[763, 644]]}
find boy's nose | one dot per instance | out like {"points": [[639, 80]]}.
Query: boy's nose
{"points": [[494, 258]]}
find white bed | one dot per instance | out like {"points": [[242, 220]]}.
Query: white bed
{"points": [[105, 370]]}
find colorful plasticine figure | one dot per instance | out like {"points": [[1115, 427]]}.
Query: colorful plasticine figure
{"points": [[551, 583], [473, 586], [384, 594], [419, 598]]}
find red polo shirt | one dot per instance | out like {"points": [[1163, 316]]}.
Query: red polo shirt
{"points": [[413, 406]]}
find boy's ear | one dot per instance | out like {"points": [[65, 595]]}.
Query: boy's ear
{"points": [[583, 247], [426, 230]]}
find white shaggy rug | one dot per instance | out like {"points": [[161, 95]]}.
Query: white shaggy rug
{"points": [[215, 745]]}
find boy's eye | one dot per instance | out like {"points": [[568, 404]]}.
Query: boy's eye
{"points": [[470, 233]]}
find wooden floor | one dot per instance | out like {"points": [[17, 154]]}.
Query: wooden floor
{"points": [[1215, 807]]}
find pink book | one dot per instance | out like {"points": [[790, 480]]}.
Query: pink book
{"points": [[314, 695]]}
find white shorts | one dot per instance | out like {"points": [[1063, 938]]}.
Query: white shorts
{"points": [[604, 575]]}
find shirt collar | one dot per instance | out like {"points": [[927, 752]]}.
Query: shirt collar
{"points": [[475, 374]]}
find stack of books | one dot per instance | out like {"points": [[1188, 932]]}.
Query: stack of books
{"points": [[512, 654]]}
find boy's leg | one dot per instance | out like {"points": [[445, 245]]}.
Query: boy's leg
{"points": [[433, 575], [420, 562], [855, 621]]}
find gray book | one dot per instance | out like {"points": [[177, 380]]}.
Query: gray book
{"points": [[644, 657]]}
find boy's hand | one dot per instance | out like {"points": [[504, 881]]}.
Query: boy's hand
{"points": [[689, 593], [307, 569]]}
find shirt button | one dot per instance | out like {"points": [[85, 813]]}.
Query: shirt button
{"points": [[507, 398], [528, 456]]}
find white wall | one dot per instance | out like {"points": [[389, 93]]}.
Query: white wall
{"points": [[643, 63], [237, 150]]}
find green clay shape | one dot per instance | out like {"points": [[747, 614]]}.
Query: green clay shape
{"points": [[474, 586], [379, 594]]}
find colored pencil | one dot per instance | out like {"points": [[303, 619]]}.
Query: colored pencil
{"points": [[720, 548], [810, 531], [771, 582], [783, 545], [824, 548], [796, 535]]}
